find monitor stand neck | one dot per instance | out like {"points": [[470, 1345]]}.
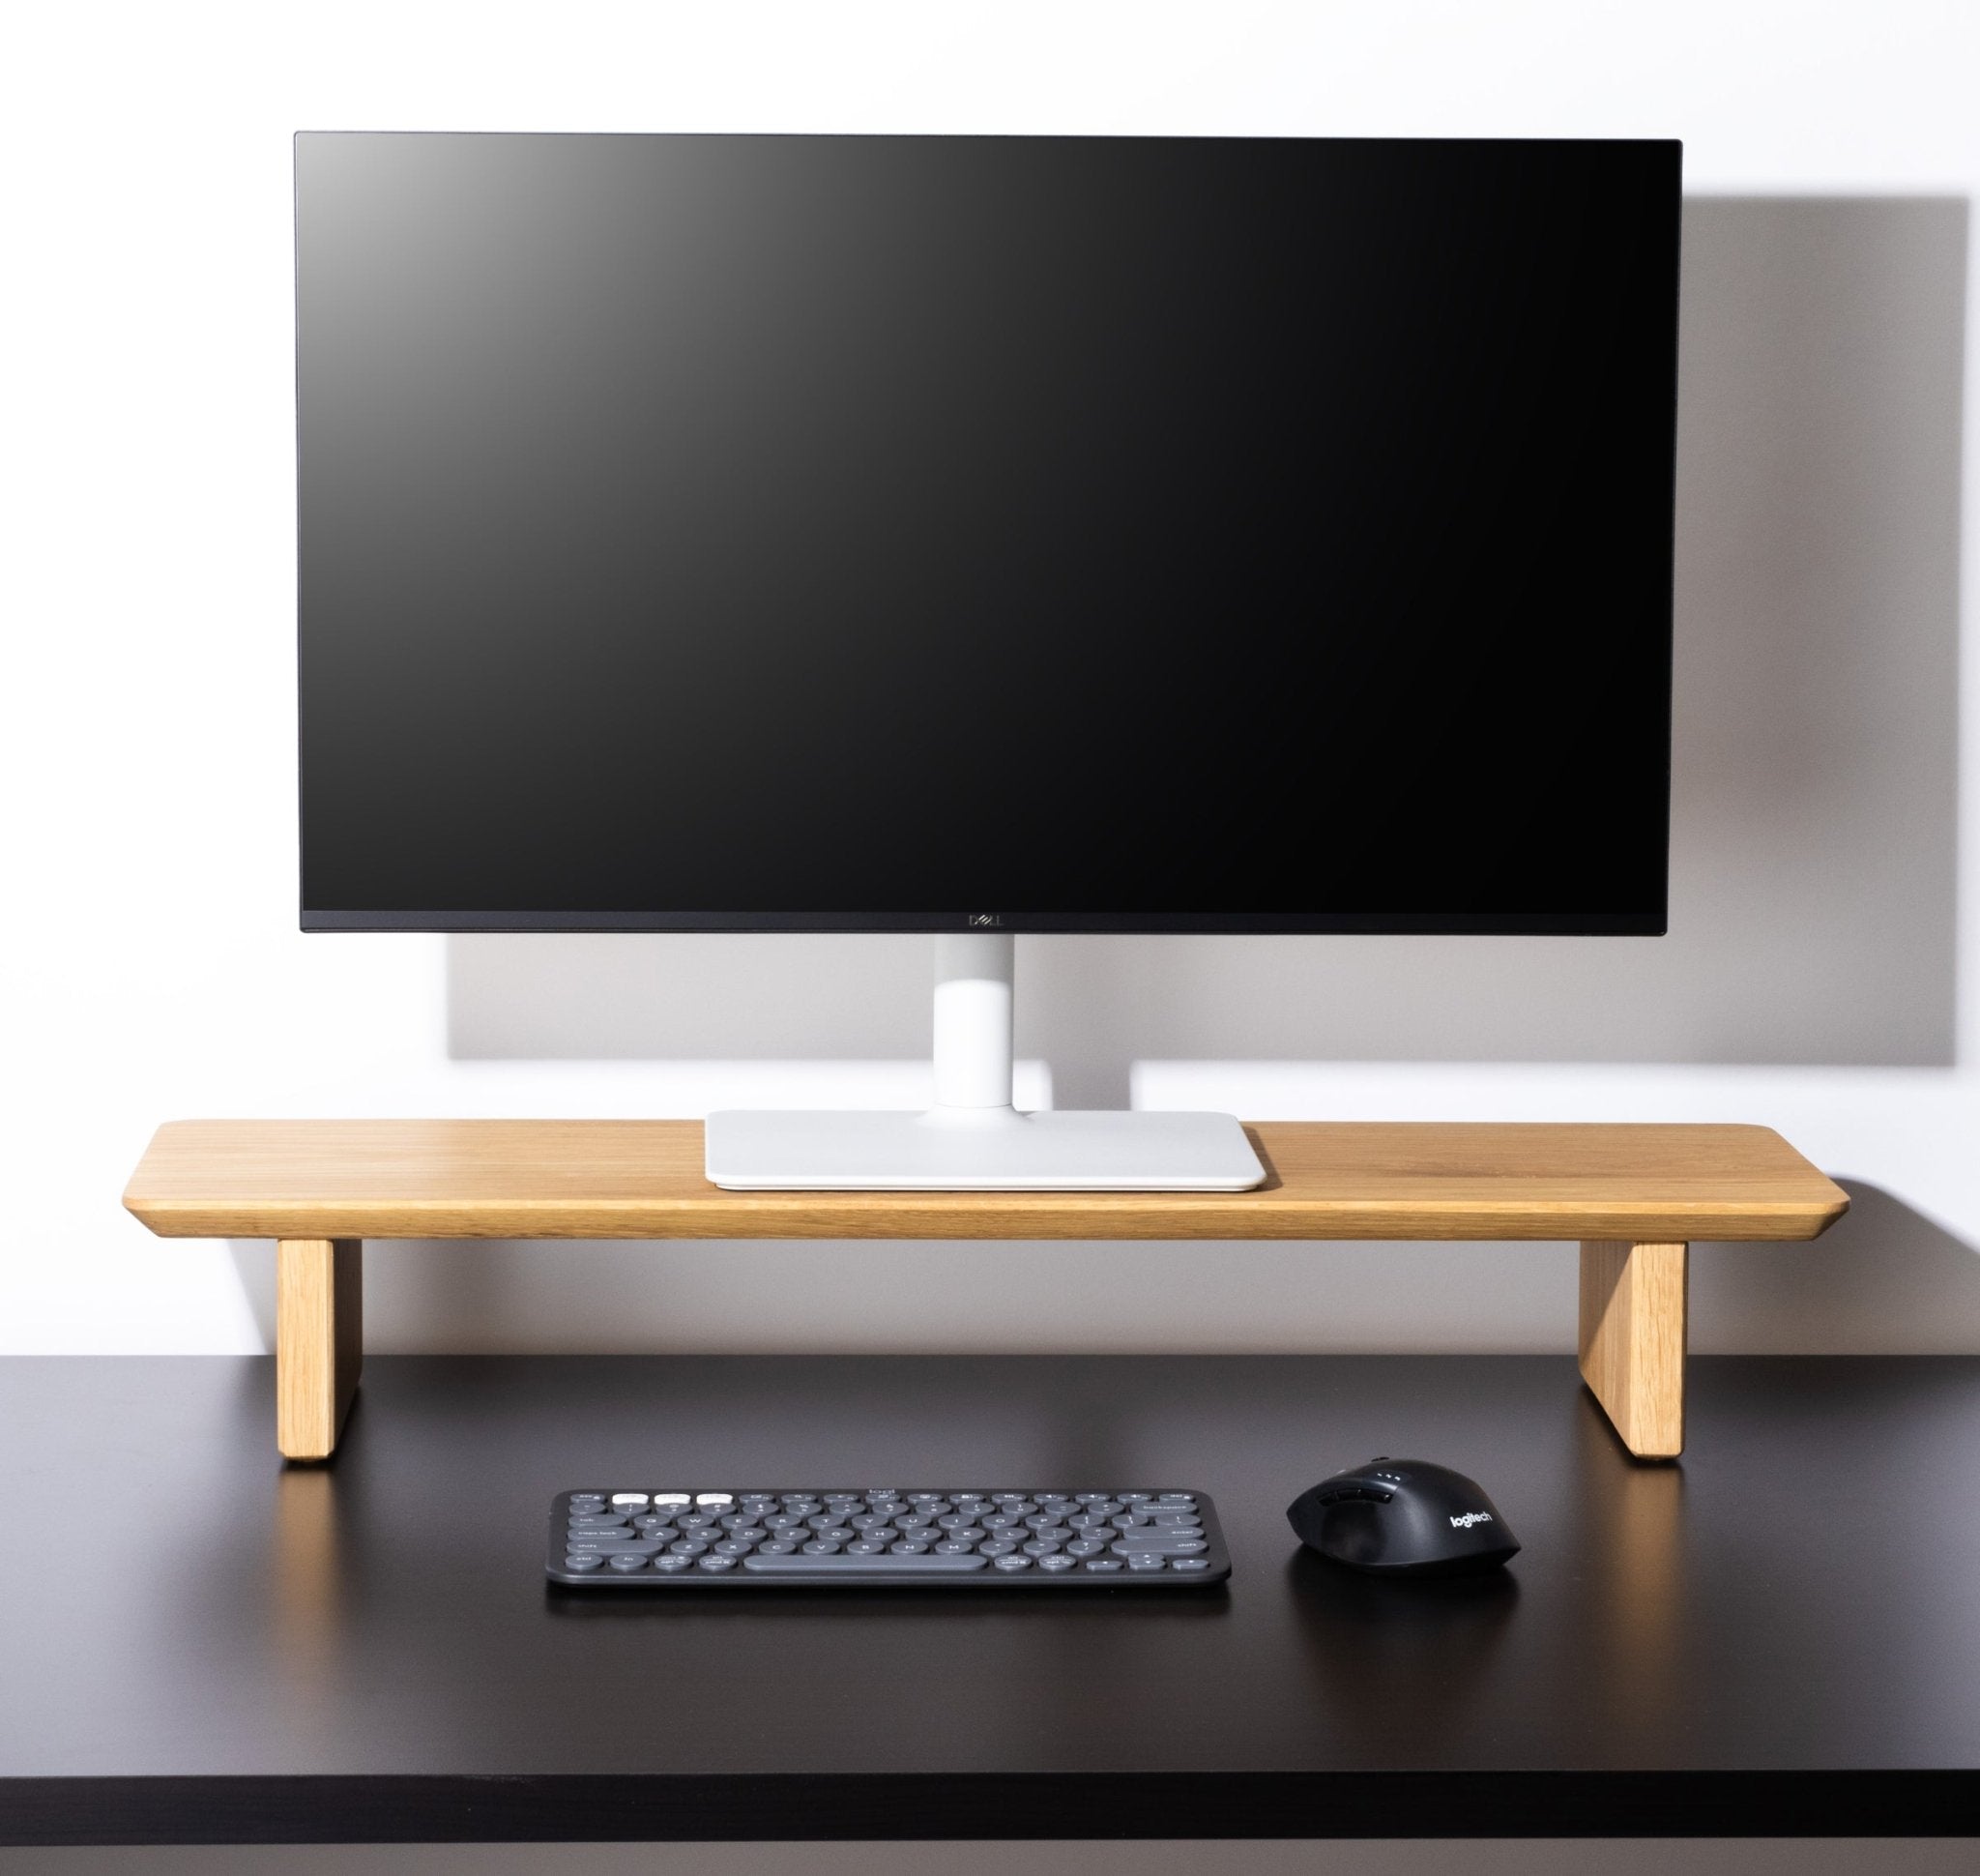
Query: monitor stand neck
{"points": [[974, 1139], [974, 973]]}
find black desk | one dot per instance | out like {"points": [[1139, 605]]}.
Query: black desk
{"points": [[1780, 1637]]}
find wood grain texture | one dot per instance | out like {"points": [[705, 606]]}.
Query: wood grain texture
{"points": [[643, 1179], [319, 1341], [1633, 1340]]}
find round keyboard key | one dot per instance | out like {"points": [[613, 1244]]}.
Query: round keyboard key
{"points": [[1041, 1547], [631, 1498], [997, 1547], [1098, 1564], [675, 1500], [866, 1547], [673, 1565], [1087, 1547], [1190, 1562], [908, 1547], [1012, 1562], [954, 1547], [817, 1548], [1140, 1560], [1057, 1561], [734, 1547], [584, 1561], [1001, 1522], [688, 1548], [1042, 1520], [777, 1548], [719, 1500], [717, 1563], [915, 1521], [870, 1521], [629, 1560]]}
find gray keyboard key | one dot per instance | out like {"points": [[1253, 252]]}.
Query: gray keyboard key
{"points": [[1101, 1564], [996, 1547], [1057, 1561], [629, 1560], [817, 1548], [1160, 1547], [1012, 1562], [908, 1547], [688, 1548], [1189, 1563], [891, 1565], [587, 1559], [777, 1548], [1087, 1547], [734, 1547], [673, 1565], [717, 1563], [1140, 1560]]}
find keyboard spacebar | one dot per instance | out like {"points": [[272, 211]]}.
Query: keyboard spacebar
{"points": [[798, 1564]]}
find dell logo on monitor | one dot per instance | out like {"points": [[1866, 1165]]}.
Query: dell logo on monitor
{"points": [[986, 917]]}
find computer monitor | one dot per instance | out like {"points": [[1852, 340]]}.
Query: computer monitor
{"points": [[978, 536]]}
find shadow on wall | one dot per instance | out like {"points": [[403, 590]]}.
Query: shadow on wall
{"points": [[1811, 886], [1885, 1280]]}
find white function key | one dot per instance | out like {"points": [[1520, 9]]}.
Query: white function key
{"points": [[671, 1497], [628, 1498], [711, 1501]]}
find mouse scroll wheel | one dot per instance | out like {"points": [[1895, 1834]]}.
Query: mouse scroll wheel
{"points": [[1357, 1494]]}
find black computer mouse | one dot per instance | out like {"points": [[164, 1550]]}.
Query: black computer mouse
{"points": [[1403, 1517]]}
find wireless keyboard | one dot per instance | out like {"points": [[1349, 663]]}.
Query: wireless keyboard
{"points": [[944, 1538]]}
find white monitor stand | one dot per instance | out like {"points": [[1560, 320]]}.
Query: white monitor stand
{"points": [[974, 1139]]}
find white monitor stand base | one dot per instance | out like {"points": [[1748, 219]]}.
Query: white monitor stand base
{"points": [[974, 1139]]}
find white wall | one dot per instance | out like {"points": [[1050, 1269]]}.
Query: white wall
{"points": [[152, 968]]}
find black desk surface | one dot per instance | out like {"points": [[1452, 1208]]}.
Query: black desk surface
{"points": [[1782, 1636]]}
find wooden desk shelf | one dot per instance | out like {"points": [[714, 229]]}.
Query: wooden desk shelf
{"points": [[1634, 1196]]}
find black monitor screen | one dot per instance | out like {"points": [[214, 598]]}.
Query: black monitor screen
{"points": [[1071, 534]]}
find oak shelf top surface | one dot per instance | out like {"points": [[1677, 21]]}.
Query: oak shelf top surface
{"points": [[643, 1179]]}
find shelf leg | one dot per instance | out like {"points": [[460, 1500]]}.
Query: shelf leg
{"points": [[1632, 1341], [319, 1341]]}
